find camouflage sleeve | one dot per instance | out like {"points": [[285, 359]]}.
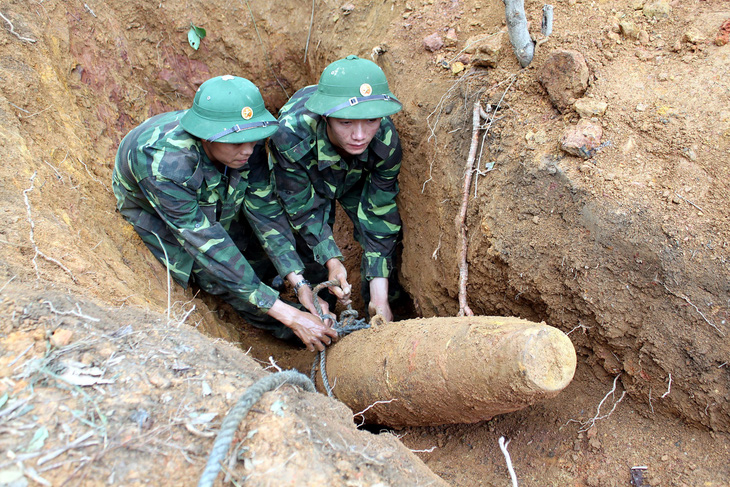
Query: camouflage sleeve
{"points": [[268, 220], [207, 242], [377, 212], [307, 210]]}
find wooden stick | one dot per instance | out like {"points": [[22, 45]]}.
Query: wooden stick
{"points": [[519, 36], [464, 309]]}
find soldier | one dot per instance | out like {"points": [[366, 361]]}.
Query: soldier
{"points": [[337, 142], [196, 186]]}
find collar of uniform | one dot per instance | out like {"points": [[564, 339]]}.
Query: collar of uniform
{"points": [[327, 155], [212, 175]]}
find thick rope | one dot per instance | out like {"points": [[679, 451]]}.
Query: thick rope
{"points": [[348, 324], [236, 414]]}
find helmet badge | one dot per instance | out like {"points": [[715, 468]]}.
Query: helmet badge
{"points": [[366, 89], [247, 113]]}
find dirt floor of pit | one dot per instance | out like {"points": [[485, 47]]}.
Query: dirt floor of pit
{"points": [[626, 251]]}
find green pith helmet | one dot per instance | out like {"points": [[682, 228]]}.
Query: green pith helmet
{"points": [[229, 109], [353, 88]]}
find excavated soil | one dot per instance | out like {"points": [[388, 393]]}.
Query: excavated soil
{"points": [[109, 379]]}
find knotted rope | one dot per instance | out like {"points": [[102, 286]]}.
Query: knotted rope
{"points": [[348, 323]]}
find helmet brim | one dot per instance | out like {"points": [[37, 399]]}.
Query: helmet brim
{"points": [[319, 103], [204, 129]]}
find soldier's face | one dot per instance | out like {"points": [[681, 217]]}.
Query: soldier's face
{"points": [[352, 136], [231, 155]]}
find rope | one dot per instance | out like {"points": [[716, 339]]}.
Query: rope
{"points": [[348, 324], [236, 414]]}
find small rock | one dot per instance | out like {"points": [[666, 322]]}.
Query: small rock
{"points": [[693, 37], [613, 36], [590, 107], [441, 61], [347, 9], [564, 75], [658, 10], [159, 381], [433, 43], [643, 37], [582, 140], [629, 146], [485, 49], [540, 137], [629, 29], [723, 37], [450, 39], [644, 55], [457, 67], [61, 337], [464, 59]]}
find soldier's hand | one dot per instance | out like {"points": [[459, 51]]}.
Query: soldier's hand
{"points": [[379, 304], [382, 310], [306, 298], [337, 272], [314, 334]]}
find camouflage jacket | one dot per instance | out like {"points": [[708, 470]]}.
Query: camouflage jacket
{"points": [[167, 187], [310, 174]]}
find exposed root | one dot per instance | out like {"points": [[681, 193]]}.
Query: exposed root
{"points": [[586, 425], [503, 447], [669, 387], [686, 299], [38, 253], [12, 30], [362, 413], [437, 113], [460, 221]]}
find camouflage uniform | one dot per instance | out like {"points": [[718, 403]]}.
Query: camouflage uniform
{"points": [[187, 212], [310, 175]]}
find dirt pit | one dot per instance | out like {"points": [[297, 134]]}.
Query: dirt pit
{"points": [[625, 251]]}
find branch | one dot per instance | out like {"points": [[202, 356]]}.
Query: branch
{"points": [[519, 37], [460, 221]]}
